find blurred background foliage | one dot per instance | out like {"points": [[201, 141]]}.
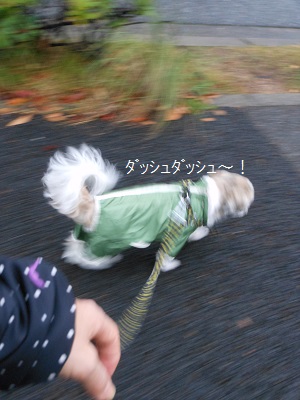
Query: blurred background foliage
{"points": [[101, 71], [16, 26], [20, 23]]}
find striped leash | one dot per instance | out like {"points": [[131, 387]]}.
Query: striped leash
{"points": [[134, 316]]}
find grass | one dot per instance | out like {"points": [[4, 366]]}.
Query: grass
{"points": [[251, 69], [139, 81]]}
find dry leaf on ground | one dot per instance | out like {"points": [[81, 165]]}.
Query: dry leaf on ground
{"points": [[137, 120], [148, 122], [219, 112], [73, 98], [176, 113], [21, 120], [208, 119], [6, 110], [55, 117], [108, 117], [17, 101], [26, 94], [243, 323], [77, 119], [50, 147]]}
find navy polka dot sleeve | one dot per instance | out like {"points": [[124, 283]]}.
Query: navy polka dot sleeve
{"points": [[37, 313]]}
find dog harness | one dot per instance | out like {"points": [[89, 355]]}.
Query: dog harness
{"points": [[181, 217]]}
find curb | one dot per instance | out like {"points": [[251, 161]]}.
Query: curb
{"points": [[215, 35], [257, 100]]}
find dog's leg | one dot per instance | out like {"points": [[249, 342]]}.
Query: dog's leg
{"points": [[170, 263], [198, 234], [140, 245], [75, 253]]}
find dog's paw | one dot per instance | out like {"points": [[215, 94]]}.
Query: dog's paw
{"points": [[198, 234], [169, 264]]}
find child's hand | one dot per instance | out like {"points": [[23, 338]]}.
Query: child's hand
{"points": [[95, 352]]}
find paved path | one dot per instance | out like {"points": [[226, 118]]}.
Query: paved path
{"points": [[226, 324], [285, 13]]}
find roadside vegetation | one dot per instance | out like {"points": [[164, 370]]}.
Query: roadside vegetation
{"points": [[125, 79]]}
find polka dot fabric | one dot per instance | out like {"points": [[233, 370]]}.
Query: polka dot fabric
{"points": [[37, 315]]}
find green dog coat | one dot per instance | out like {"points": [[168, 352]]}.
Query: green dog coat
{"points": [[138, 216]]}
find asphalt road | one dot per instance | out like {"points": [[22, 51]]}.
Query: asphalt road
{"points": [[269, 13], [225, 325]]}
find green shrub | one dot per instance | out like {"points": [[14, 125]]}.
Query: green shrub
{"points": [[84, 11], [16, 27]]}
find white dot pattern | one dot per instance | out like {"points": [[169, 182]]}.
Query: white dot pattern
{"points": [[51, 376], [62, 359], [69, 289], [37, 293], [44, 317], [73, 308], [57, 346], [70, 334]]}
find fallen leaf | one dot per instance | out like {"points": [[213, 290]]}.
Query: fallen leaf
{"points": [[77, 119], [137, 120], [249, 353], [219, 112], [148, 122], [294, 66], [176, 113], [108, 117], [208, 98], [184, 110], [25, 94], [208, 119], [50, 147], [73, 98], [17, 101], [21, 120], [211, 95], [55, 117], [5, 110], [39, 100], [243, 323]]}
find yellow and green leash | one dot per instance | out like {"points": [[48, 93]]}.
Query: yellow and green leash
{"points": [[133, 317]]}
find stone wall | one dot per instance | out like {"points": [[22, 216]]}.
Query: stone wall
{"points": [[52, 18]]}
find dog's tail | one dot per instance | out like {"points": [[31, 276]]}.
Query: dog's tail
{"points": [[73, 179]]}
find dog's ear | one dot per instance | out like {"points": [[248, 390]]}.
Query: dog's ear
{"points": [[85, 211]]}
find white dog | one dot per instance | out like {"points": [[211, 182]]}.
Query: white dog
{"points": [[79, 184]]}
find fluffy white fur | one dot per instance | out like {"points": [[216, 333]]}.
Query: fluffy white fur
{"points": [[75, 178]]}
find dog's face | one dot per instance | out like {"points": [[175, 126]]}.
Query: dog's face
{"points": [[236, 194]]}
